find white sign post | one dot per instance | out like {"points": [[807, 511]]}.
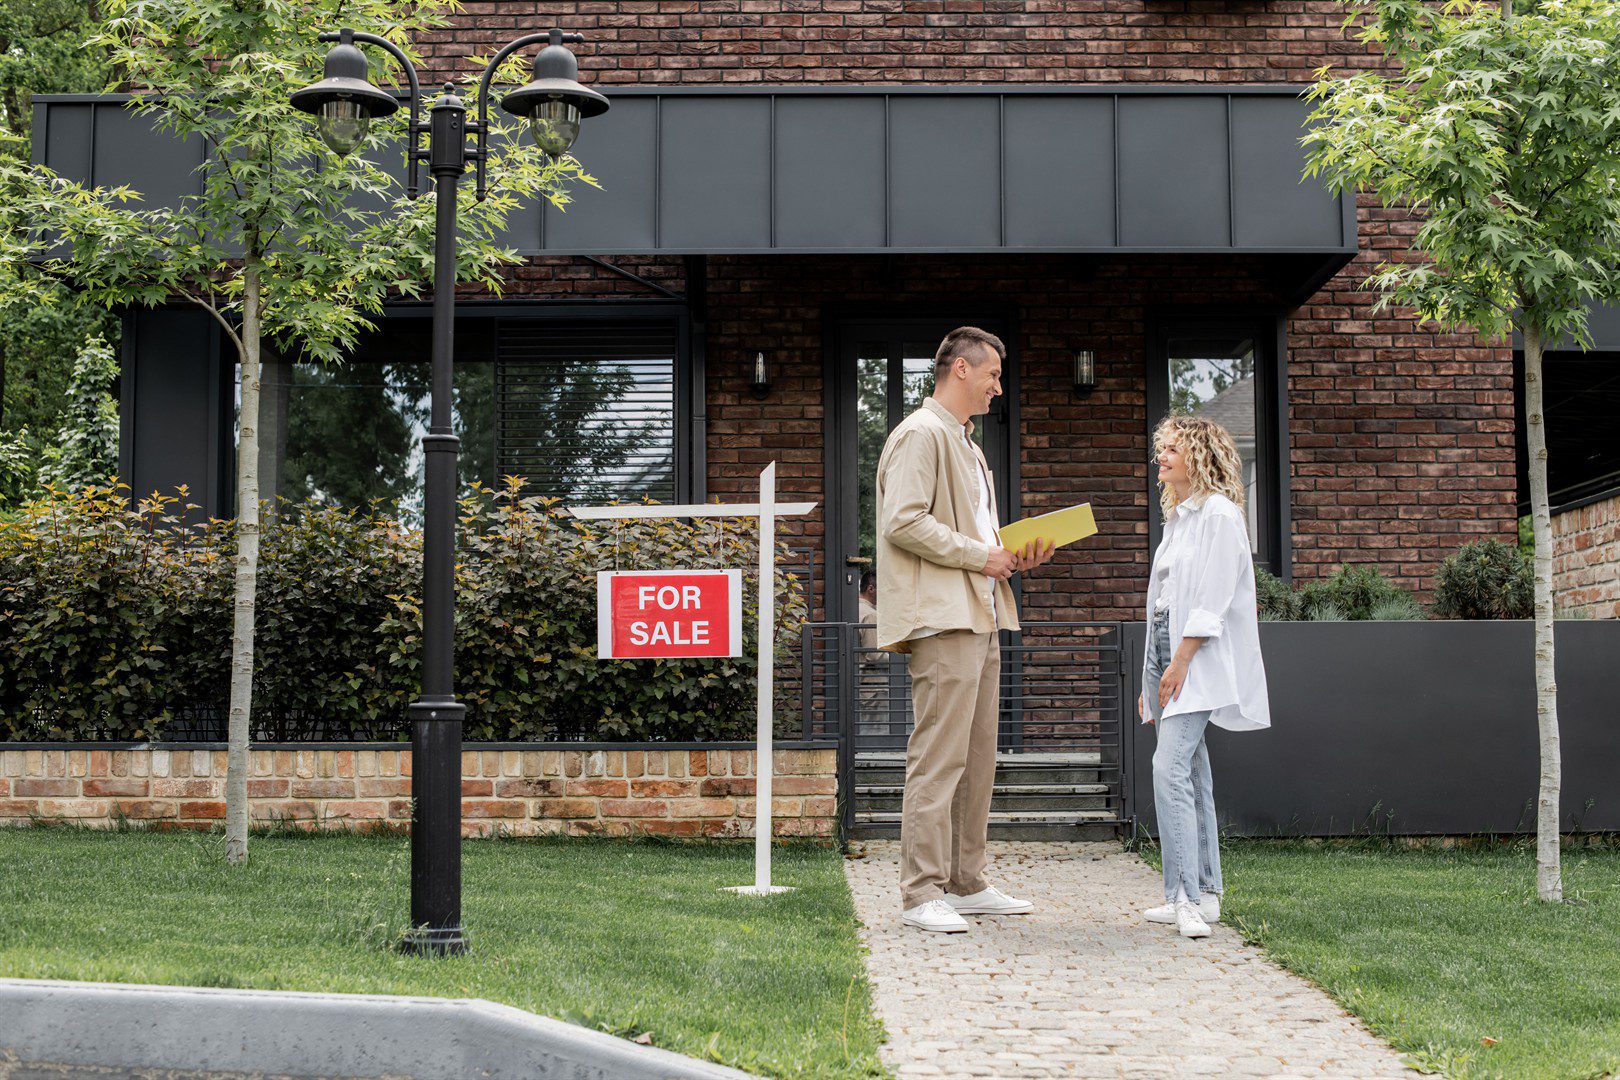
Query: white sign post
{"points": [[767, 510]]}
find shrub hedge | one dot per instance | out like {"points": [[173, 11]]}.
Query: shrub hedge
{"points": [[1352, 593], [115, 622]]}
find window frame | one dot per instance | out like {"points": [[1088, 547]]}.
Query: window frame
{"points": [[1268, 329], [688, 388]]}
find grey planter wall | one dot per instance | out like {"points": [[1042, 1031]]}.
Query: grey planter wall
{"points": [[1410, 728]]}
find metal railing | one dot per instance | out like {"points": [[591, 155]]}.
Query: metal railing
{"points": [[1064, 693]]}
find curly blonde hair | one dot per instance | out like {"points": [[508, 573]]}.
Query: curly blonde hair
{"points": [[1213, 464]]}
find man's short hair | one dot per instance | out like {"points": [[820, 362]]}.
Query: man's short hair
{"points": [[868, 580], [963, 341]]}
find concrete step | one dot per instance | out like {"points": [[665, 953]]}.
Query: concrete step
{"points": [[874, 770], [1011, 797], [1072, 826]]}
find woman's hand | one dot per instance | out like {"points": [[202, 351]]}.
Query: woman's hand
{"points": [[1171, 681], [1141, 713]]}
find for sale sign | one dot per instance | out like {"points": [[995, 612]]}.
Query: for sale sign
{"points": [[668, 614]]}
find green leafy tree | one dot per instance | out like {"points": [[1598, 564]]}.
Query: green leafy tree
{"points": [[1194, 382], [1500, 128], [41, 52], [86, 452], [284, 244]]}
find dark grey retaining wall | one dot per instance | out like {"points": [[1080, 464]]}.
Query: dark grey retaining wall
{"points": [[1418, 728]]}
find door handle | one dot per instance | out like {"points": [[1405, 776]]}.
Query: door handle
{"points": [[857, 560]]}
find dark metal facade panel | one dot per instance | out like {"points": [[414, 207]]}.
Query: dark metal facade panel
{"points": [[714, 158], [1273, 205], [620, 149], [123, 154], [1442, 742], [944, 172], [727, 169], [830, 172], [173, 422], [1174, 172], [70, 136], [1061, 191]]}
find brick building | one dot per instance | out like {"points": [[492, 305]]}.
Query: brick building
{"points": [[814, 191]]}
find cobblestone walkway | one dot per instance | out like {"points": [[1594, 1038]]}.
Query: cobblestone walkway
{"points": [[1084, 987]]}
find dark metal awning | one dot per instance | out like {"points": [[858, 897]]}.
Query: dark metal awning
{"points": [[723, 170]]}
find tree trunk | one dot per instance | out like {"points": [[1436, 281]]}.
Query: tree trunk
{"points": [[1549, 876], [247, 576]]}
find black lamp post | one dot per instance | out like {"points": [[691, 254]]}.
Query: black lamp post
{"points": [[345, 102]]}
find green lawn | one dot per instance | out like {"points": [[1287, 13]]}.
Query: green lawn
{"points": [[1447, 953], [632, 938]]}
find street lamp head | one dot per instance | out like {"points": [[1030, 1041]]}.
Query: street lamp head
{"points": [[345, 101], [553, 101]]}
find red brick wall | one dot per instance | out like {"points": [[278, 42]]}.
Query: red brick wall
{"points": [[1402, 437], [938, 41], [1586, 561], [530, 792]]}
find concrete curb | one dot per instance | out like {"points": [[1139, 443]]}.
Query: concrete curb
{"points": [[313, 1035]]}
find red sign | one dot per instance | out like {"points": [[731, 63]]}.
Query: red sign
{"points": [[666, 614]]}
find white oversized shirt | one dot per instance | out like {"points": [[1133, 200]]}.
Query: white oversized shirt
{"points": [[1211, 591]]}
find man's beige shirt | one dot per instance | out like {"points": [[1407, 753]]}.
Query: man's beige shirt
{"points": [[930, 556]]}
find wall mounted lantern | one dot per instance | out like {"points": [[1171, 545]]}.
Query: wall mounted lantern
{"points": [[1085, 372], [759, 377]]}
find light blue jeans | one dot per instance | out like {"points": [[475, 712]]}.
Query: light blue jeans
{"points": [[1183, 789]]}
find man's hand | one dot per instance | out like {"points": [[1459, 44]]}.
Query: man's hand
{"points": [[1033, 554], [1000, 565]]}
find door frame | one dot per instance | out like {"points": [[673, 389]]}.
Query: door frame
{"points": [[840, 452]]}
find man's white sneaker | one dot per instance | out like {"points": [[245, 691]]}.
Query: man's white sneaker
{"points": [[1189, 922], [991, 901], [936, 915], [1208, 906]]}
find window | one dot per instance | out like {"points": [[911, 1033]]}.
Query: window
{"points": [[350, 433], [1226, 370], [587, 412], [583, 409]]}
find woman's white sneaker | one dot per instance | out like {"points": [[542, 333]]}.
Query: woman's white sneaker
{"points": [[1209, 906], [936, 915], [991, 901], [1189, 922]]}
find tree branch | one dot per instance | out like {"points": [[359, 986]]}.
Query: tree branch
{"points": [[209, 306]]}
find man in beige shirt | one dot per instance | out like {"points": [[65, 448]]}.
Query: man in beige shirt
{"points": [[943, 577]]}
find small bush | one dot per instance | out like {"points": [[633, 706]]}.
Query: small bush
{"points": [[1276, 598], [1353, 593], [1485, 579], [115, 622]]}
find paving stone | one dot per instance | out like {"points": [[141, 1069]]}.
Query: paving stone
{"points": [[1085, 987]]}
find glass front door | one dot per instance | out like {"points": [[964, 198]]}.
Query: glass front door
{"points": [[884, 372]]}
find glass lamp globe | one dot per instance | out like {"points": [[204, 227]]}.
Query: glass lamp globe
{"points": [[342, 124], [555, 124]]}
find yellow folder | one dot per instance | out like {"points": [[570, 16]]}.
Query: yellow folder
{"points": [[1061, 527]]}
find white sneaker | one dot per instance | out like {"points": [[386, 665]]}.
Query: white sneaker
{"points": [[1189, 922], [1209, 906], [936, 915], [991, 901]]}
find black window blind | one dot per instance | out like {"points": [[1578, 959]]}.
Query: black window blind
{"points": [[585, 412]]}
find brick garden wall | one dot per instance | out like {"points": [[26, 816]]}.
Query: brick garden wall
{"points": [[530, 792], [1586, 561], [1402, 437]]}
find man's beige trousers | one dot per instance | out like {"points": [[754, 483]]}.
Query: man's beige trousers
{"points": [[950, 765]]}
